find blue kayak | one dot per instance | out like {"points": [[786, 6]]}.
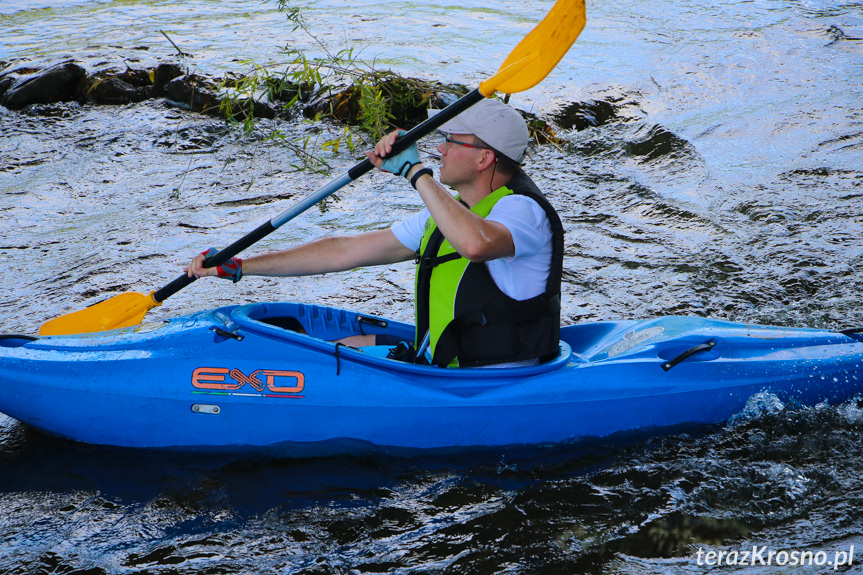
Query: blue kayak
{"points": [[267, 376]]}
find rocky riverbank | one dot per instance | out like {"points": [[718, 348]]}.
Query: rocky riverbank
{"points": [[23, 86], [404, 100]]}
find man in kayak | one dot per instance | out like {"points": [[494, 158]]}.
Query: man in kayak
{"points": [[489, 261]]}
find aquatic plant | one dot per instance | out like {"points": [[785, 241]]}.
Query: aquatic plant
{"points": [[337, 86]]}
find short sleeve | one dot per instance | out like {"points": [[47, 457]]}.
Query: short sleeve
{"points": [[410, 231], [526, 221]]}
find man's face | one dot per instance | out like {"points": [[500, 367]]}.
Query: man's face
{"points": [[459, 154]]}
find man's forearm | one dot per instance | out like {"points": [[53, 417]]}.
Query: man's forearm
{"points": [[332, 254]]}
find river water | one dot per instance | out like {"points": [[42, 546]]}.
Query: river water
{"points": [[725, 182]]}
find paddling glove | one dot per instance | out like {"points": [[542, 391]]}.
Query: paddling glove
{"points": [[402, 162], [231, 269]]}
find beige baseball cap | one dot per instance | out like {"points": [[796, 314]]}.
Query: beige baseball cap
{"points": [[493, 122]]}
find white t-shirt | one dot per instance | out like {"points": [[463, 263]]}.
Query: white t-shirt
{"points": [[522, 276]]}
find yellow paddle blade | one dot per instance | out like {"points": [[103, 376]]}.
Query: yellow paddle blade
{"points": [[540, 51], [124, 310]]}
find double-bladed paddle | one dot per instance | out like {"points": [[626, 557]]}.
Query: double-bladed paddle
{"points": [[531, 61]]}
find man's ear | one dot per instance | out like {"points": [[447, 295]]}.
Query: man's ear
{"points": [[486, 160]]}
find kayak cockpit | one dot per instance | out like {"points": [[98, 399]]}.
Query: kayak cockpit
{"points": [[14, 340], [320, 326]]}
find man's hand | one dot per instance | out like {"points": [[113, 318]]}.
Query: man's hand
{"points": [[231, 269], [399, 164]]}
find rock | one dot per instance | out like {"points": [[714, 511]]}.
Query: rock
{"points": [[163, 74], [55, 110], [109, 87], [5, 83], [198, 94], [58, 84], [8, 77], [115, 90], [134, 85], [193, 92], [286, 91], [341, 105], [651, 142], [582, 115], [137, 77], [405, 100], [239, 109]]}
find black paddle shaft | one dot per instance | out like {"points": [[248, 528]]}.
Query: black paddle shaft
{"points": [[358, 170]]}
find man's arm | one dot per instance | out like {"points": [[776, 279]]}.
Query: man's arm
{"points": [[331, 254], [472, 236]]}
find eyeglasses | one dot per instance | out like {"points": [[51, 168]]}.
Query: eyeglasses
{"points": [[449, 140]]}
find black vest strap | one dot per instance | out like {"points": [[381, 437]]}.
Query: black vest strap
{"points": [[423, 289], [433, 262]]}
